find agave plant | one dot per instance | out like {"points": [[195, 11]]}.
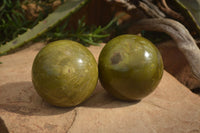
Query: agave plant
{"points": [[86, 35], [192, 8], [62, 12]]}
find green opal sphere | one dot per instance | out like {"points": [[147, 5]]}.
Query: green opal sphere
{"points": [[64, 73], [130, 67]]}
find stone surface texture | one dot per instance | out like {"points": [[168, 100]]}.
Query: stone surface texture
{"points": [[171, 108]]}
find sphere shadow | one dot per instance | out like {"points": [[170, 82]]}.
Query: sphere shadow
{"points": [[102, 99], [21, 98], [3, 128]]}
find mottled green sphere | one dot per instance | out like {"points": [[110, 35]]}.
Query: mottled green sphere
{"points": [[130, 67], [64, 73]]}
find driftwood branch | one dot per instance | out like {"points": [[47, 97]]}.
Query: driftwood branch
{"points": [[150, 9], [179, 33], [159, 22], [162, 4]]}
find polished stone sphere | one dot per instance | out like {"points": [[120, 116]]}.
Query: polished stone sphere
{"points": [[64, 73], [130, 67]]}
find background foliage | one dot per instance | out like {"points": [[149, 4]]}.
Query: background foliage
{"points": [[17, 16], [20, 15]]}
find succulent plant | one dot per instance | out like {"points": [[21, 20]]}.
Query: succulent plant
{"points": [[192, 9], [62, 12]]}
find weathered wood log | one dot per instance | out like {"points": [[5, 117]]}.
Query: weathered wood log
{"points": [[179, 33], [176, 64], [157, 21]]}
